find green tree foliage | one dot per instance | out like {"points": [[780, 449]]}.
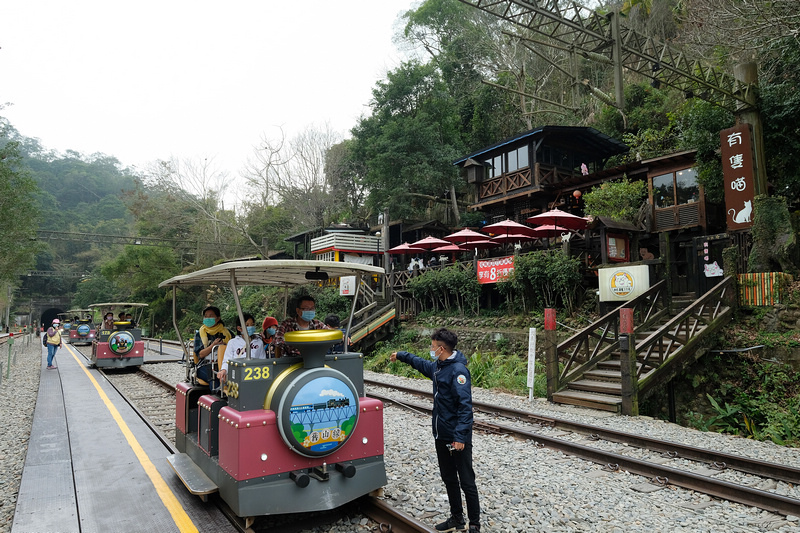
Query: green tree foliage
{"points": [[139, 269], [547, 279], [345, 176], [780, 107], [698, 127], [646, 126], [268, 224], [410, 141], [619, 200], [18, 213], [774, 239], [447, 289], [466, 46], [93, 289]]}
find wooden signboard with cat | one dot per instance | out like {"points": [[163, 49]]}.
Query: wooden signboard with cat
{"points": [[737, 170]]}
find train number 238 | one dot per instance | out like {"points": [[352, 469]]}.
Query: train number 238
{"points": [[256, 372]]}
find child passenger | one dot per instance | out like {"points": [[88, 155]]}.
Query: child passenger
{"points": [[237, 347], [268, 329]]}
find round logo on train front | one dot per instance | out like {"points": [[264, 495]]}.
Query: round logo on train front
{"points": [[323, 414], [121, 342], [621, 283], [84, 330]]}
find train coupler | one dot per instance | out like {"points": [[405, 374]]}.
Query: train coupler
{"points": [[321, 472]]}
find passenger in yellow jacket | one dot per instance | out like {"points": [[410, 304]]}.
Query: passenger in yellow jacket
{"points": [[53, 342]]}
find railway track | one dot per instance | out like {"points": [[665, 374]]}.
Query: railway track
{"points": [[596, 441], [153, 399]]}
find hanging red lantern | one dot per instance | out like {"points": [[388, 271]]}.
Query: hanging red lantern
{"points": [[576, 194]]}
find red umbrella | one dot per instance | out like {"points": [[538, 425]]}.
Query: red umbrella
{"points": [[465, 236], [449, 248], [508, 227], [558, 217], [429, 243], [405, 248], [481, 245], [518, 237], [549, 231]]}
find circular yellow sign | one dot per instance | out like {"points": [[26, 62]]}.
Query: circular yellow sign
{"points": [[621, 283]]}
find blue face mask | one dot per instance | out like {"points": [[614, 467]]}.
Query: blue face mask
{"points": [[308, 316], [271, 331], [433, 354], [209, 322], [251, 330]]}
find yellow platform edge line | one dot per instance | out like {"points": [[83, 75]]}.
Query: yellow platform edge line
{"points": [[172, 504]]}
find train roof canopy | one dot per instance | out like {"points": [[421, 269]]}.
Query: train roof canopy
{"points": [[276, 273]]}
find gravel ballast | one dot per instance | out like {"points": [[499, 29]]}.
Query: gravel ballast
{"points": [[523, 488], [17, 402]]}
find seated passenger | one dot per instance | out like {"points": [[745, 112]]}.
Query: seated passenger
{"points": [[212, 334], [129, 318], [304, 320], [268, 329], [333, 322], [237, 347], [108, 321]]}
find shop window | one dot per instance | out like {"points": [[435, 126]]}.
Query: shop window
{"points": [[491, 171], [676, 188], [617, 248], [512, 161], [686, 188], [664, 190]]}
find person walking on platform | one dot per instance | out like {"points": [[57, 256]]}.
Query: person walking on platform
{"points": [[53, 342], [452, 425]]}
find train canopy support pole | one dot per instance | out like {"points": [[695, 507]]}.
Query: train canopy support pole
{"points": [[352, 313], [241, 315], [178, 330]]}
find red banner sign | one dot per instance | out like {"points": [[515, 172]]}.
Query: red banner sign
{"points": [[737, 170], [495, 269]]}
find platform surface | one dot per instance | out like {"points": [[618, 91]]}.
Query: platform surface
{"points": [[94, 466]]}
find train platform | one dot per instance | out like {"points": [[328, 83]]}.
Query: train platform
{"points": [[93, 465]]}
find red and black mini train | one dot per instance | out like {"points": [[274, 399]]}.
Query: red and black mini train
{"points": [[284, 435]]}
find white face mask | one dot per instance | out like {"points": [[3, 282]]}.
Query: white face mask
{"points": [[433, 354]]}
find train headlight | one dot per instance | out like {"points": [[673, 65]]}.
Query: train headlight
{"points": [[263, 457], [364, 440]]}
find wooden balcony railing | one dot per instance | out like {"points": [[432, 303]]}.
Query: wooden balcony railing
{"points": [[505, 184]]}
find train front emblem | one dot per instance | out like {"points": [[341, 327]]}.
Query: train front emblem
{"points": [[121, 342], [322, 414]]}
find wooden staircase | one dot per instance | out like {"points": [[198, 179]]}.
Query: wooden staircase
{"points": [[375, 319], [666, 339]]}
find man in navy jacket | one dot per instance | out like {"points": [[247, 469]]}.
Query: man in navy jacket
{"points": [[452, 425]]}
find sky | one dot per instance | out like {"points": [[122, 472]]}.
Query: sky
{"points": [[153, 80]]}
